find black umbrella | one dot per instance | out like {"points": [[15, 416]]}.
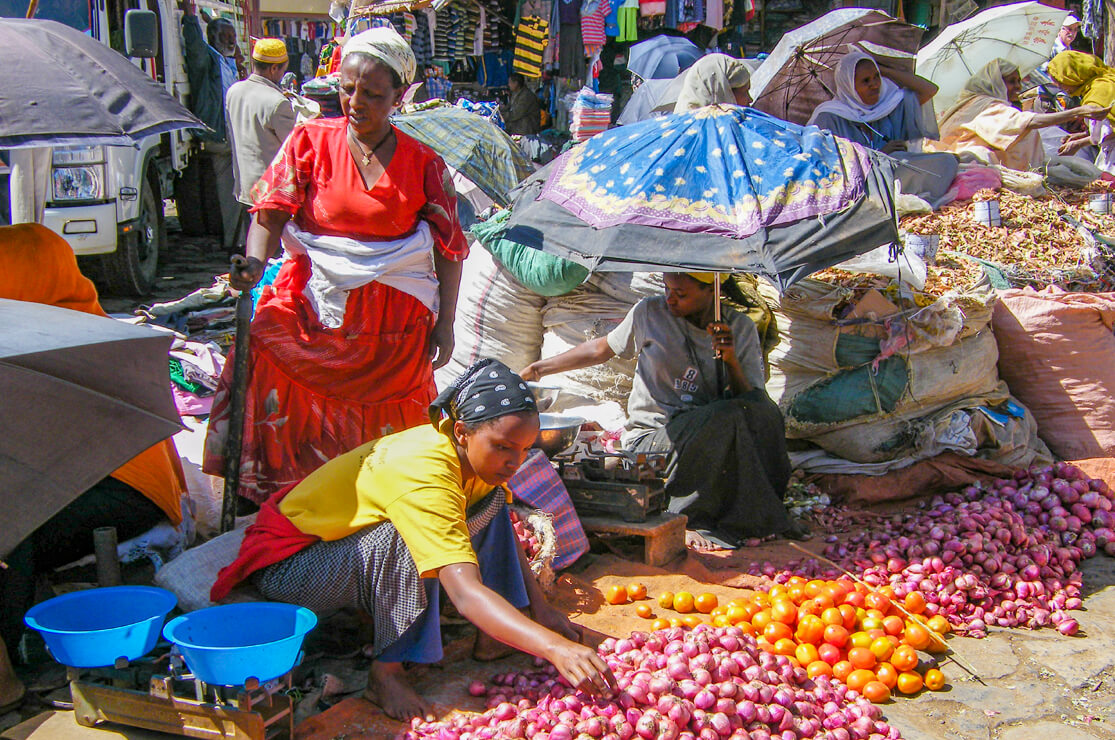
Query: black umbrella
{"points": [[64, 87], [81, 395]]}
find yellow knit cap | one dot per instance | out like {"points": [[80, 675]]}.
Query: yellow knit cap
{"points": [[269, 51], [708, 277]]}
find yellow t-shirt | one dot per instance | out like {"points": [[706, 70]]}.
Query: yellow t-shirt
{"points": [[411, 478]]}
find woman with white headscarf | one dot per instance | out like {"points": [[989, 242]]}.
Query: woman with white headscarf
{"points": [[344, 343], [986, 122], [714, 79], [880, 107]]}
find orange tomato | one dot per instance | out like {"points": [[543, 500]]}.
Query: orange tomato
{"points": [[683, 602], [809, 606], [796, 593], [785, 646], [836, 635], [761, 598], [848, 612], [775, 631], [761, 619], [893, 625], [739, 601], [784, 611], [876, 692], [910, 682], [615, 595], [736, 614], [746, 627], [691, 620], [796, 581], [810, 630], [822, 601], [877, 600], [636, 591], [904, 658], [832, 615], [818, 668], [675, 622], [705, 603], [842, 669], [775, 591], [814, 587], [881, 648], [869, 623], [659, 624], [914, 602], [916, 636], [860, 639], [886, 674], [934, 680], [854, 598], [862, 657], [836, 592], [722, 609], [937, 643], [830, 653], [644, 611], [806, 654], [939, 624], [859, 678], [666, 599], [876, 633], [720, 620]]}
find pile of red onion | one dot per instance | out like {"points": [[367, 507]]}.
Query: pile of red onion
{"points": [[675, 684], [1004, 556], [526, 535]]}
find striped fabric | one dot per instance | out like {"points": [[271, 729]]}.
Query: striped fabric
{"points": [[531, 38], [537, 484], [592, 27]]}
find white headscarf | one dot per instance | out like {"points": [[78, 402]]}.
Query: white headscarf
{"points": [[387, 46], [711, 80], [847, 103], [987, 83]]}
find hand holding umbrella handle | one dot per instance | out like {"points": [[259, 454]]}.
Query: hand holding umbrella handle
{"points": [[238, 393]]}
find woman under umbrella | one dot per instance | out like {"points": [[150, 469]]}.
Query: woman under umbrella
{"points": [[727, 467], [342, 343]]}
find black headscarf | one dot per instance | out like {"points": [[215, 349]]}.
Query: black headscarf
{"points": [[487, 390]]}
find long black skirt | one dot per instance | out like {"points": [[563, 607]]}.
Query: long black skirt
{"points": [[727, 469]]}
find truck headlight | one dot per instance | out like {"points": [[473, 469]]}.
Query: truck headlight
{"points": [[78, 183]]}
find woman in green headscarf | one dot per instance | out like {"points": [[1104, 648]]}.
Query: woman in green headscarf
{"points": [[1086, 77]]}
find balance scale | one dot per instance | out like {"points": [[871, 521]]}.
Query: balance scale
{"points": [[630, 486]]}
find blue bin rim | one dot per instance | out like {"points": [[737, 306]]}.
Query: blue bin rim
{"points": [[168, 630], [31, 618]]}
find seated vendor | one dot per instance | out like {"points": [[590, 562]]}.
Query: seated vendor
{"points": [[380, 527], [727, 467], [38, 266], [986, 120], [880, 107]]}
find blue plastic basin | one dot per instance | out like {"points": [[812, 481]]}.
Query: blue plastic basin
{"points": [[227, 645], [90, 629]]}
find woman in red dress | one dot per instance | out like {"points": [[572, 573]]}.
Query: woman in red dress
{"points": [[344, 344]]}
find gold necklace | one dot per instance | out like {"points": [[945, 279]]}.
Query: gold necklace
{"points": [[367, 155]]}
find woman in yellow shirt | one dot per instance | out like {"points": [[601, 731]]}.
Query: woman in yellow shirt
{"points": [[382, 526]]}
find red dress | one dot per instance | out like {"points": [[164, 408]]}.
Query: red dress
{"points": [[316, 392]]}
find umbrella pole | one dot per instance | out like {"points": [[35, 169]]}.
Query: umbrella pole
{"points": [[236, 411], [720, 369]]}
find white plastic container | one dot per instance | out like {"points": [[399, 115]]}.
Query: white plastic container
{"points": [[1100, 203], [986, 212], [923, 245]]}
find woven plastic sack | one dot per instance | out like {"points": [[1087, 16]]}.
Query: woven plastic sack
{"points": [[539, 272]]}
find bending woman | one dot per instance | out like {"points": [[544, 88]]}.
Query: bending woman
{"points": [[880, 107], [1086, 77], [727, 467], [342, 343], [713, 79], [986, 121], [380, 527]]}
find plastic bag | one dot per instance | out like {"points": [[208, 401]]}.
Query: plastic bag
{"points": [[901, 265], [1073, 172]]}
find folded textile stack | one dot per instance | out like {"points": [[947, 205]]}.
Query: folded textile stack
{"points": [[590, 114]]}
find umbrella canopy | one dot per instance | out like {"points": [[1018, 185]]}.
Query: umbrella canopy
{"points": [[662, 57], [82, 396], [798, 74], [1022, 33], [472, 145], [802, 201], [645, 99], [68, 88]]}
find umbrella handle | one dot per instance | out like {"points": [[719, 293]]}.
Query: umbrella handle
{"points": [[239, 392], [721, 370]]}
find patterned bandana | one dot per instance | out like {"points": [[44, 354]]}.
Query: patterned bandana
{"points": [[487, 390], [387, 46]]}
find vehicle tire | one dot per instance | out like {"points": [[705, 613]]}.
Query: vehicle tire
{"points": [[134, 267], [187, 195]]}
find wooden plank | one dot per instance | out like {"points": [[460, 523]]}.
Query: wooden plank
{"points": [[663, 534]]}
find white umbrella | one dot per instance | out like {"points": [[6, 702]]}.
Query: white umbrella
{"points": [[798, 74], [1022, 33]]}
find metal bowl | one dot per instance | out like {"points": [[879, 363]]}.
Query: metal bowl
{"points": [[557, 433], [545, 396]]}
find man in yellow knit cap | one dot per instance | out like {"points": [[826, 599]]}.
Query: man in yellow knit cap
{"points": [[259, 119]]}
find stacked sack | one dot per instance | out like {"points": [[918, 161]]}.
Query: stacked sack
{"points": [[878, 380]]}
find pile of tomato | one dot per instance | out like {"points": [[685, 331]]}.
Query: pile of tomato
{"points": [[835, 628]]}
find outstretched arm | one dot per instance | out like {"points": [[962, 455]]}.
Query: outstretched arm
{"points": [[586, 354], [1044, 120]]}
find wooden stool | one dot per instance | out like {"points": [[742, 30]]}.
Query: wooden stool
{"points": [[663, 534]]}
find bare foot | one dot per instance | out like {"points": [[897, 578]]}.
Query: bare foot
{"points": [[488, 648], [389, 690], [696, 541]]}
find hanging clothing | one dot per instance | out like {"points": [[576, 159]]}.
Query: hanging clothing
{"points": [[531, 37], [593, 14], [318, 392], [571, 51], [628, 20]]}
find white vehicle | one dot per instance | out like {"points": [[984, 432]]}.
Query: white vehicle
{"points": [[107, 201]]}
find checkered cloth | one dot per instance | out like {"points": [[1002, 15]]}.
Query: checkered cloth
{"points": [[371, 570], [538, 485]]}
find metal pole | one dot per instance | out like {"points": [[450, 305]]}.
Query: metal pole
{"points": [[108, 563], [720, 370], [239, 392]]}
